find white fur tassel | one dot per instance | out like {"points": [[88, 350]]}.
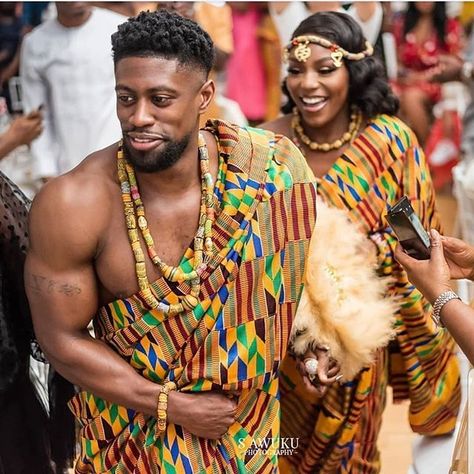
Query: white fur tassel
{"points": [[344, 303]]}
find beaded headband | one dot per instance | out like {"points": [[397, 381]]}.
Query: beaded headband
{"points": [[303, 51]]}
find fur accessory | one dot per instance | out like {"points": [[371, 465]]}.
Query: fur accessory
{"points": [[343, 305]]}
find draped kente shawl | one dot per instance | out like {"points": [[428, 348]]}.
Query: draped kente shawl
{"points": [[338, 433], [237, 335]]}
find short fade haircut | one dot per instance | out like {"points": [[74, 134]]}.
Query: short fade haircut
{"points": [[164, 34]]}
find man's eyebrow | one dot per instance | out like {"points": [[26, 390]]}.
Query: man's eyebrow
{"points": [[163, 88]]}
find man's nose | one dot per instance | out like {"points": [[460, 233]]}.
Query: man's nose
{"points": [[141, 115]]}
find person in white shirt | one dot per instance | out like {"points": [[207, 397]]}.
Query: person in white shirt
{"points": [[66, 67]]}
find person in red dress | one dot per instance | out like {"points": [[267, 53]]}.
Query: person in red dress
{"points": [[422, 34]]}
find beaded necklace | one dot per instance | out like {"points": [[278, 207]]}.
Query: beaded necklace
{"points": [[354, 125], [203, 246]]}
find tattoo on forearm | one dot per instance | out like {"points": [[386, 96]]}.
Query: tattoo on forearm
{"points": [[41, 284]]}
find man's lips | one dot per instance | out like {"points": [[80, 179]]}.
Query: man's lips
{"points": [[144, 141]]}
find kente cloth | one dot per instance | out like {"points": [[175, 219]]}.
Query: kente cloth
{"points": [[338, 433], [237, 335]]}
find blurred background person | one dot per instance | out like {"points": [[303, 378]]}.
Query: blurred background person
{"points": [[288, 15], [37, 430], [422, 33], [216, 19], [461, 68], [10, 37], [253, 69], [66, 67], [127, 9], [17, 133], [22, 131]]}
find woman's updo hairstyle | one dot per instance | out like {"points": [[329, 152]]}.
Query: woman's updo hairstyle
{"points": [[368, 86]]}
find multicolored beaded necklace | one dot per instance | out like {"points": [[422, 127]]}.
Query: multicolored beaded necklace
{"points": [[203, 245]]}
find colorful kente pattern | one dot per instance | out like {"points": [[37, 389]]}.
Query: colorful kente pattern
{"points": [[339, 432], [237, 335]]}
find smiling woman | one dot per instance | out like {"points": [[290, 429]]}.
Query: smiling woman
{"points": [[340, 113]]}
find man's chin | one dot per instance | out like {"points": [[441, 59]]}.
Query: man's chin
{"points": [[157, 158], [144, 162]]}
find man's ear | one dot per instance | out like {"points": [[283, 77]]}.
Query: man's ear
{"points": [[206, 94]]}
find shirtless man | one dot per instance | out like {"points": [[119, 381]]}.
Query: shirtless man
{"points": [[215, 317]]}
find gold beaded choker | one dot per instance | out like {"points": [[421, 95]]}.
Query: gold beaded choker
{"points": [[354, 125], [203, 245]]}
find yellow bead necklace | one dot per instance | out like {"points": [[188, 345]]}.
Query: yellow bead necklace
{"points": [[354, 125], [203, 246]]}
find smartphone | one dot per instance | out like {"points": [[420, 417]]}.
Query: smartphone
{"points": [[409, 230]]}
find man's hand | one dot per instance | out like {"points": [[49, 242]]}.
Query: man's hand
{"points": [[205, 414], [431, 276], [26, 128], [327, 371], [460, 258], [22, 131]]}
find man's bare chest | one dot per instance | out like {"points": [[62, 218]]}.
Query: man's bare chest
{"points": [[172, 234]]}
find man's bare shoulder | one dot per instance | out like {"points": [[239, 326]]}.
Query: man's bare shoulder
{"points": [[280, 126], [77, 205]]}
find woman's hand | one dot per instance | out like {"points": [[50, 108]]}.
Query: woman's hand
{"points": [[460, 258], [449, 69], [431, 276], [326, 374]]}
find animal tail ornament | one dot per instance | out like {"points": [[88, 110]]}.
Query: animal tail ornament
{"points": [[344, 304]]}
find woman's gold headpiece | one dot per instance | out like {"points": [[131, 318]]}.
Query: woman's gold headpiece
{"points": [[303, 51]]}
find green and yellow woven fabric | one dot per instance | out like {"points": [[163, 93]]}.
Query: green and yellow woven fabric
{"points": [[234, 339], [338, 433]]}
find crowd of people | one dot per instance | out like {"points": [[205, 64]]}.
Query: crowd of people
{"points": [[171, 248]]}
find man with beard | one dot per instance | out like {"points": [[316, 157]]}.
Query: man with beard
{"points": [[186, 249]]}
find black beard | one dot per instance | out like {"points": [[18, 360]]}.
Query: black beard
{"points": [[156, 160]]}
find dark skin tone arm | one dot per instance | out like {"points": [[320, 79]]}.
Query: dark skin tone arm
{"points": [[62, 289], [450, 259]]}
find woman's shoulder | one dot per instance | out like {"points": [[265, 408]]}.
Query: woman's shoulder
{"points": [[392, 129], [279, 126]]}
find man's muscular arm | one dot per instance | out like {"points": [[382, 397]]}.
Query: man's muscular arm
{"points": [[62, 291], [66, 221]]}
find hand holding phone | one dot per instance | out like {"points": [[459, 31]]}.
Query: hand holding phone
{"points": [[409, 230]]}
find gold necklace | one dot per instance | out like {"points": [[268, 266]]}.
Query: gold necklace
{"points": [[354, 125], [203, 246]]}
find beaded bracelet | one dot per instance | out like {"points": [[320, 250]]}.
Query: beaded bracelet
{"points": [[162, 408], [438, 305]]}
